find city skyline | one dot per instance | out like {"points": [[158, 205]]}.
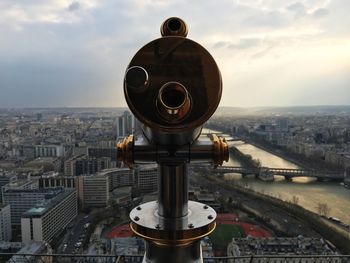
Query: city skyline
{"points": [[271, 53]]}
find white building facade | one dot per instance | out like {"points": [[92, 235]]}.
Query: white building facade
{"points": [[5, 223], [45, 221], [93, 190]]}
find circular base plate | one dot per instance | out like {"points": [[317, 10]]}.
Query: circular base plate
{"points": [[199, 222]]}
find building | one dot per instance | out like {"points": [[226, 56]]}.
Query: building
{"points": [[279, 246], [208, 198], [9, 247], [93, 190], [28, 151], [119, 177], [4, 180], [21, 200], [122, 195], [48, 151], [48, 218], [282, 124], [46, 163], [126, 125], [128, 246], [20, 184], [5, 223], [34, 151], [207, 250], [103, 152], [147, 178], [53, 181], [82, 164], [32, 249]]}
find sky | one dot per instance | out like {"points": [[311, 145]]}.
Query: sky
{"points": [[59, 53]]}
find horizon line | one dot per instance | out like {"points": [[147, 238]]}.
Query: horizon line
{"points": [[125, 107]]}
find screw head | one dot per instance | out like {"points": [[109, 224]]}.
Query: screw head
{"points": [[205, 207], [138, 208], [210, 217], [157, 226], [190, 225], [136, 218]]}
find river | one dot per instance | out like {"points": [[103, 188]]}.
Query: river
{"points": [[309, 191]]}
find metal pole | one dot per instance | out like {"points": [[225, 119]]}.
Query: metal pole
{"points": [[173, 190], [191, 253]]}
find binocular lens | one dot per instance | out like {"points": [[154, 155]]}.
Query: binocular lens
{"points": [[174, 24], [136, 78], [173, 101], [173, 95]]}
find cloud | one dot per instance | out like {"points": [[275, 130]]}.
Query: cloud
{"points": [[320, 12], [271, 19], [221, 44], [73, 6], [74, 53], [245, 43], [40, 11], [298, 9], [262, 53]]}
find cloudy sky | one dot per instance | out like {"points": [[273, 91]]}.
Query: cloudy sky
{"points": [[270, 52]]}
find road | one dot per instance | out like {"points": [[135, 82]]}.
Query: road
{"points": [[73, 234]]}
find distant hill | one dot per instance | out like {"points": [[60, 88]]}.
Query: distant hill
{"points": [[296, 110]]}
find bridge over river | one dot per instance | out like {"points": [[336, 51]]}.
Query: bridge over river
{"points": [[267, 173]]}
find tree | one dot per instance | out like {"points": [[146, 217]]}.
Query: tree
{"points": [[323, 209], [112, 202], [222, 203], [295, 200], [257, 162]]}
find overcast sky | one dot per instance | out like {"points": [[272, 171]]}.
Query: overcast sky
{"points": [[270, 52]]}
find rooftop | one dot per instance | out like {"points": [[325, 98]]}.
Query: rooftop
{"points": [[3, 205], [32, 248], [42, 208], [49, 191]]}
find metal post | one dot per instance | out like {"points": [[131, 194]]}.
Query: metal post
{"points": [[191, 253], [173, 190]]}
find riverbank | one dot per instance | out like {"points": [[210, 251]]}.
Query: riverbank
{"points": [[298, 159], [245, 159], [265, 147], [304, 222], [280, 154]]}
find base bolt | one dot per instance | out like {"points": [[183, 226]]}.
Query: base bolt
{"points": [[138, 208], [190, 226], [157, 226], [210, 217], [205, 207], [136, 218]]}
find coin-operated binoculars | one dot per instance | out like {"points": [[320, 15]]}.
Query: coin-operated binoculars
{"points": [[172, 85]]}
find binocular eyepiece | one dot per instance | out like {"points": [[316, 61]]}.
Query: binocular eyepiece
{"points": [[174, 26], [172, 85]]}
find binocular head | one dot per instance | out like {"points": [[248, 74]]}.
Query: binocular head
{"points": [[173, 86]]}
